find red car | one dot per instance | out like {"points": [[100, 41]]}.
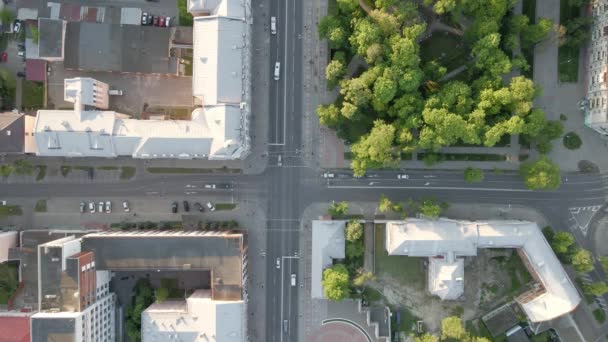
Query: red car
{"points": [[155, 21], [162, 21], [4, 56]]}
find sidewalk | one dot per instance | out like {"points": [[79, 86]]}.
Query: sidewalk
{"points": [[562, 98]]}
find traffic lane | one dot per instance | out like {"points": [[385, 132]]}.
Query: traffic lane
{"points": [[289, 295]]}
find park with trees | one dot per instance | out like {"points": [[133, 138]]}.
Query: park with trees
{"points": [[421, 77]]}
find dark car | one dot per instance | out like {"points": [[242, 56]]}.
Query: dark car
{"points": [[155, 20], [186, 206], [174, 207], [20, 74], [91, 173], [199, 207], [225, 186]]}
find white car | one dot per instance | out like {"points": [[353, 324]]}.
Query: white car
{"points": [[293, 280], [209, 186], [92, 207], [210, 206], [273, 25], [108, 207], [100, 207], [2, 203], [277, 71], [328, 175], [403, 177], [278, 263], [17, 27], [125, 206]]}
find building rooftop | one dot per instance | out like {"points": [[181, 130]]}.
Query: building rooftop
{"points": [[55, 327], [446, 278], [14, 327], [448, 238], [197, 318], [118, 48], [12, 132], [35, 69], [328, 243], [228, 8], [50, 39], [134, 251]]}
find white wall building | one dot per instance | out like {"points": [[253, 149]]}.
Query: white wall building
{"points": [[218, 129], [86, 91], [596, 104], [553, 294]]}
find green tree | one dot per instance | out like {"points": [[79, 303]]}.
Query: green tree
{"points": [[347, 6], [6, 16], [426, 338], [489, 57], [375, 149], [582, 261], [577, 32], [604, 262], [385, 204], [561, 242], [430, 209], [473, 175], [335, 282], [596, 289], [354, 249], [536, 33], [362, 278], [6, 170], [334, 71], [161, 294], [23, 167], [354, 230], [452, 328], [541, 175], [335, 30], [337, 209], [329, 115]]}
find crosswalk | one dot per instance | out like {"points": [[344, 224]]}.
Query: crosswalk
{"points": [[580, 217]]}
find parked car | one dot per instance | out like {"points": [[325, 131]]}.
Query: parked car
{"points": [[174, 207], [144, 18], [278, 263], [82, 207], [100, 207], [125, 206], [92, 207], [186, 206], [17, 26], [21, 74], [21, 53], [161, 22], [108, 207], [115, 92], [210, 206], [155, 20], [168, 21], [199, 207], [328, 175], [4, 56], [150, 19], [2, 203]]}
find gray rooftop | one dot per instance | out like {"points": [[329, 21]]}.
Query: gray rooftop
{"points": [[118, 48], [50, 38], [56, 329], [134, 251], [12, 129]]}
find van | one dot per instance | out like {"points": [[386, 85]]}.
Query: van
{"points": [[293, 280], [273, 25], [277, 71], [115, 92], [285, 326]]}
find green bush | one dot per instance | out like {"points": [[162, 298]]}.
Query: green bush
{"points": [[127, 172], [6, 170], [600, 315], [41, 172], [65, 170], [572, 141]]}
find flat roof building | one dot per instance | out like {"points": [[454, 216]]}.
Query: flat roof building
{"points": [[328, 243], [553, 294]]}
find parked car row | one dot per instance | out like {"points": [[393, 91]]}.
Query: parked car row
{"points": [[148, 19], [197, 206], [102, 206]]}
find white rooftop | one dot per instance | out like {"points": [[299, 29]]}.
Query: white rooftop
{"points": [[219, 51], [450, 238], [199, 318], [228, 8], [446, 278], [328, 243]]}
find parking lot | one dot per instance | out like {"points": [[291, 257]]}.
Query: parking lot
{"points": [[138, 90]]}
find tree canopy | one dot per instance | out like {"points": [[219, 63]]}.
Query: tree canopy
{"points": [[452, 328], [541, 175], [335, 282], [582, 261], [354, 230], [473, 175]]}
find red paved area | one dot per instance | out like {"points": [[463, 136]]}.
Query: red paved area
{"points": [[14, 329], [337, 332]]}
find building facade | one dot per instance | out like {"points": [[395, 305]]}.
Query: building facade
{"points": [[595, 106]]}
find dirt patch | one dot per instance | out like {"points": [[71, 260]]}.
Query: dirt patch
{"points": [[488, 283]]}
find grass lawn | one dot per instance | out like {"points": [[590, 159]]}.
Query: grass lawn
{"points": [[9, 280], [464, 156], [529, 10], [404, 269], [517, 272], [447, 49], [567, 57], [10, 210], [225, 206], [40, 206], [33, 94], [127, 172], [108, 168], [542, 337]]}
